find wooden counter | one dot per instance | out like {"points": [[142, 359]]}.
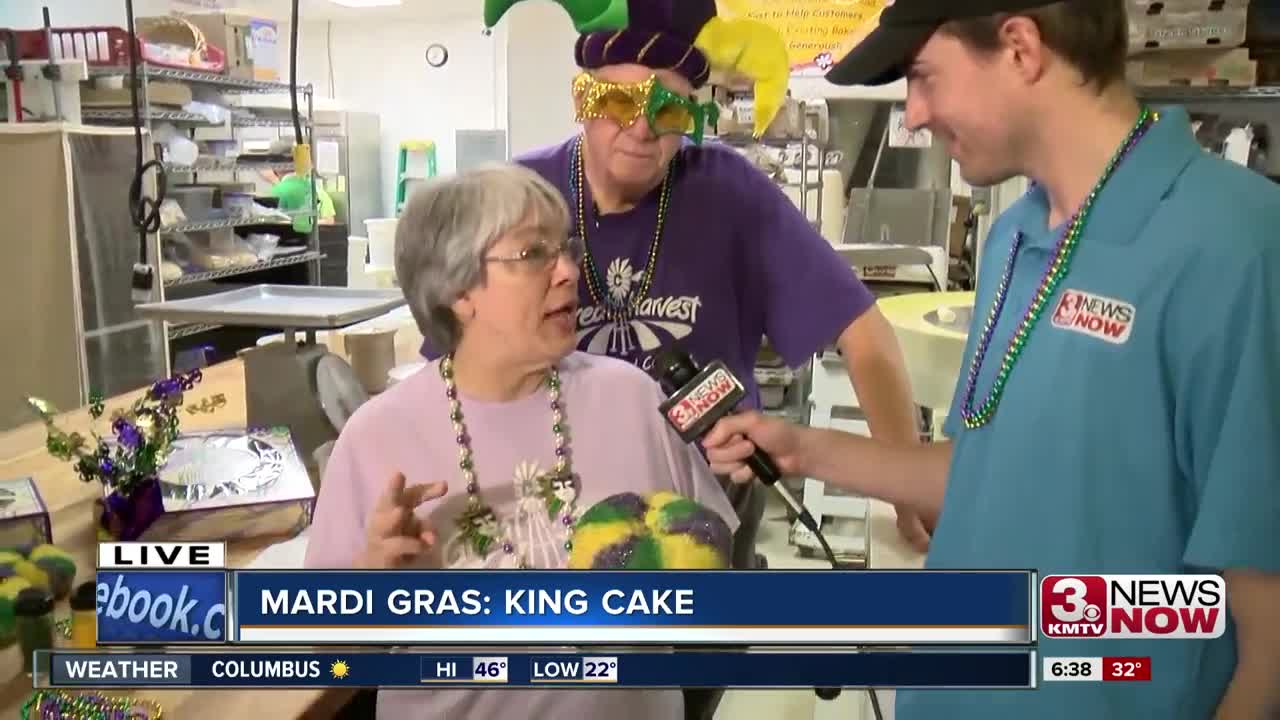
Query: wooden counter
{"points": [[70, 503]]}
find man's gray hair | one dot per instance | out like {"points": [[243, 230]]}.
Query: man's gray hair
{"points": [[448, 227]]}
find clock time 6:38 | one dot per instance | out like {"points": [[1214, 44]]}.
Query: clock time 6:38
{"points": [[1072, 668]]}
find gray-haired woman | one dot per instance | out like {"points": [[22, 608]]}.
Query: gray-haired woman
{"points": [[485, 457]]}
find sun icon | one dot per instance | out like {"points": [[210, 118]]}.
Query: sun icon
{"points": [[340, 669]]}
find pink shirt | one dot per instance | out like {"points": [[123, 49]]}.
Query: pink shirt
{"points": [[619, 443]]}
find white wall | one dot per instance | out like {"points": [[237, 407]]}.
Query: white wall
{"points": [[539, 70], [380, 67]]}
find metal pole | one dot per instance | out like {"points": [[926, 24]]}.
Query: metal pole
{"points": [[51, 71]]}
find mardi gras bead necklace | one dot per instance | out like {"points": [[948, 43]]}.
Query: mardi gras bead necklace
{"points": [[57, 705], [620, 309], [1059, 264], [478, 523]]}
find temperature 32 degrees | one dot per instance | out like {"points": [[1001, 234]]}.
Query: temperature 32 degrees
{"points": [[1097, 669]]}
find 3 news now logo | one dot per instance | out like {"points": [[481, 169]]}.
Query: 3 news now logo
{"points": [[1133, 606]]}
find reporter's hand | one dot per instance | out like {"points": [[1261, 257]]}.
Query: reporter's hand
{"points": [[912, 528], [733, 439], [395, 536]]}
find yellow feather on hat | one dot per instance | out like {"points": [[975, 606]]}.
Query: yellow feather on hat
{"points": [[754, 49]]}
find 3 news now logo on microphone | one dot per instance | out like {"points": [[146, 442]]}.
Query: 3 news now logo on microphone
{"points": [[711, 394], [1133, 606]]}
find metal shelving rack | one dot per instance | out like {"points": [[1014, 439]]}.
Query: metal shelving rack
{"points": [[1191, 93], [796, 404], [226, 86], [808, 138]]}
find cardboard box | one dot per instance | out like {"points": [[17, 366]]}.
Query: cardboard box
{"points": [[264, 37], [1199, 30], [1197, 68], [229, 32], [231, 485], [24, 518]]}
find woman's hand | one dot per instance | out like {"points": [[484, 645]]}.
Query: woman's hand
{"points": [[733, 439], [395, 536]]}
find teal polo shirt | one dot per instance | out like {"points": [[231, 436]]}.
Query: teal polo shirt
{"points": [[1145, 441]]}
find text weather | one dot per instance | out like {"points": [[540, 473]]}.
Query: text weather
{"points": [[470, 602]]}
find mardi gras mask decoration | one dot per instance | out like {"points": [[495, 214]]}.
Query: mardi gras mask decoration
{"points": [[666, 33], [624, 103]]}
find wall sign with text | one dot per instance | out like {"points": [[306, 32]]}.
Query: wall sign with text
{"points": [[817, 32]]}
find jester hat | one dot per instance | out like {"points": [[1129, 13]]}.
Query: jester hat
{"points": [[685, 36]]}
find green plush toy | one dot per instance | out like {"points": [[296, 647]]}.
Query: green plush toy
{"points": [[47, 567], [17, 563], [59, 567], [10, 585]]}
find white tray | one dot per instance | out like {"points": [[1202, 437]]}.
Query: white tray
{"points": [[282, 306]]}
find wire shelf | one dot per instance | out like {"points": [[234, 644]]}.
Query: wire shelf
{"points": [[188, 329], [242, 121], [296, 259], [1210, 93], [126, 116], [234, 222], [229, 164], [224, 82]]}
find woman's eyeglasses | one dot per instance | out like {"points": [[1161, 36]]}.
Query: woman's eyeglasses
{"points": [[543, 254]]}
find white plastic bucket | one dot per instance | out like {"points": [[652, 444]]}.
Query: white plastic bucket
{"points": [[382, 242]]}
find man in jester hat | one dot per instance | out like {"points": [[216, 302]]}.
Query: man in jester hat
{"points": [[1119, 401], [686, 240]]}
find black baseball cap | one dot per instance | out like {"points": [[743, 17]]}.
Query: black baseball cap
{"points": [[905, 26]]}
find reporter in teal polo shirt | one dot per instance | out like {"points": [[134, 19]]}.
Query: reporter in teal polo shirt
{"points": [[1118, 409]]}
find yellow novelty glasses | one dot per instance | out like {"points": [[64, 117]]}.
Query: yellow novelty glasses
{"points": [[624, 103]]}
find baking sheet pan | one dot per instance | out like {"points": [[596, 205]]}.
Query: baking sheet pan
{"points": [[282, 306]]}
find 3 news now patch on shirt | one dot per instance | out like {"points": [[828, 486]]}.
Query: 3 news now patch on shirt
{"points": [[1137, 433], [737, 261]]}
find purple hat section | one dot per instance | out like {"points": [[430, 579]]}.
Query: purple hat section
{"points": [[651, 48]]}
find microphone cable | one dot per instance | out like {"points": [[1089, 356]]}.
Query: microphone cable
{"points": [[806, 518], [143, 211]]}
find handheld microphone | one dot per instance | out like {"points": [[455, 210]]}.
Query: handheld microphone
{"points": [[696, 401]]}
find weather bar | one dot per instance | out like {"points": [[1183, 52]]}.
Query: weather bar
{"points": [[645, 668]]}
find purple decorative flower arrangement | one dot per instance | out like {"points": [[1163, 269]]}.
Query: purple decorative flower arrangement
{"points": [[129, 460]]}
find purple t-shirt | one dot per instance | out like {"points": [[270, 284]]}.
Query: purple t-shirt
{"points": [[737, 262]]}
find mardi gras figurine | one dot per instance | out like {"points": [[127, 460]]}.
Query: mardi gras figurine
{"points": [[128, 462], [661, 33]]}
